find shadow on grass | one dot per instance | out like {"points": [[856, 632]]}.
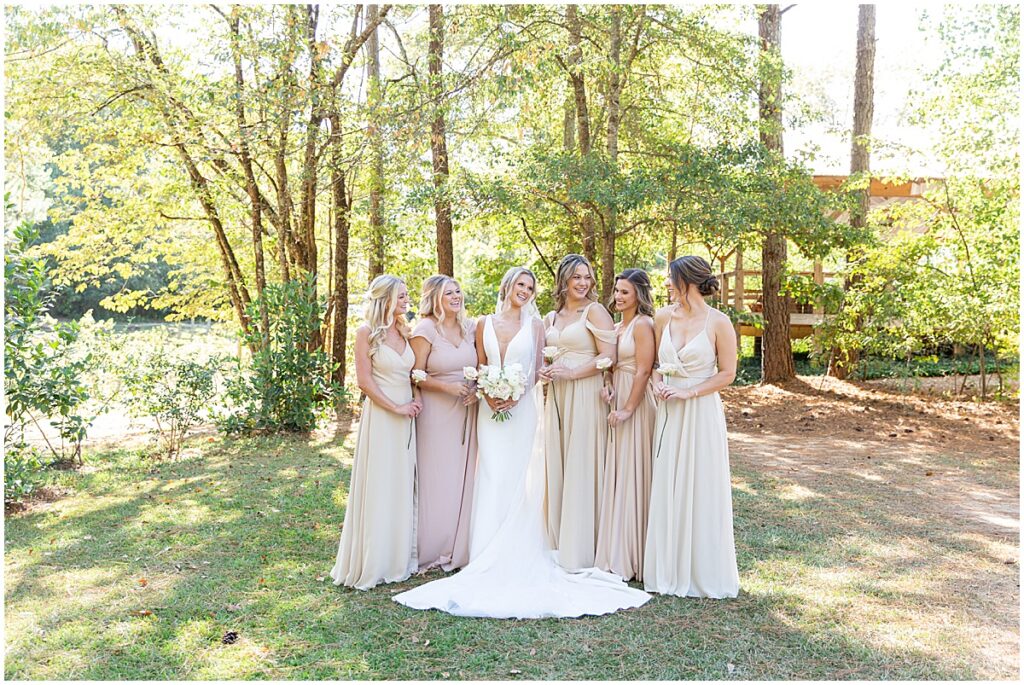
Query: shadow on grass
{"points": [[242, 539]]}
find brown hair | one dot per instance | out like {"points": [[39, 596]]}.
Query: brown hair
{"points": [[642, 284], [693, 270], [566, 268]]}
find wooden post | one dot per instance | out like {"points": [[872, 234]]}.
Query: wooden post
{"points": [[737, 296], [819, 278], [724, 294]]}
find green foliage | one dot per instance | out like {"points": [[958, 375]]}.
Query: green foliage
{"points": [[42, 375], [23, 470], [175, 393], [287, 385]]}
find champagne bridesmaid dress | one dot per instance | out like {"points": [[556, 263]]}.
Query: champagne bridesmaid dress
{"points": [[690, 550], [575, 441], [445, 454], [627, 474], [378, 540]]}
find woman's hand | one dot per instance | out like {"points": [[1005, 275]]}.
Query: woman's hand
{"points": [[558, 372], [673, 393], [468, 394], [410, 409], [607, 393], [659, 389], [617, 417]]}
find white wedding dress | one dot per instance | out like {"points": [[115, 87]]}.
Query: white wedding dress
{"points": [[512, 573]]}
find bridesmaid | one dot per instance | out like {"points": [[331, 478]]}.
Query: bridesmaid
{"points": [[575, 415], [444, 342], [378, 540], [690, 550], [627, 479]]}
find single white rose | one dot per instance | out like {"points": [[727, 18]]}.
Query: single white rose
{"points": [[668, 369], [470, 373], [549, 352], [604, 363], [418, 376]]}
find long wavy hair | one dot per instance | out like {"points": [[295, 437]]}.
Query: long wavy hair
{"points": [[430, 300], [379, 311], [642, 285], [566, 268]]}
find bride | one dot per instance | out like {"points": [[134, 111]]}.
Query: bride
{"points": [[511, 573]]}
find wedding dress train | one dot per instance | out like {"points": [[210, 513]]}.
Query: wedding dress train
{"points": [[512, 573]]}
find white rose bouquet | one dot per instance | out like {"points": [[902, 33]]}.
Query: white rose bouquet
{"points": [[502, 383]]}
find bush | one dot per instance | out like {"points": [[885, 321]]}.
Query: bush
{"points": [[175, 393], [287, 386], [42, 373], [22, 471]]}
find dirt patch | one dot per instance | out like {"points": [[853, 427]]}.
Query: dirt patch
{"points": [[939, 477]]}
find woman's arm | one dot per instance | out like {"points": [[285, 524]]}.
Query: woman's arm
{"points": [[601, 326], [364, 377], [643, 337], [422, 348], [725, 350], [481, 353], [662, 318]]}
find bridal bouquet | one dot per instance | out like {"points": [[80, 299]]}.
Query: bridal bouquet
{"points": [[501, 383]]}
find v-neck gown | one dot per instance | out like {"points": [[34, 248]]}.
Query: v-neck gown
{"points": [[690, 550], [576, 429], [378, 540], [445, 453], [627, 473]]}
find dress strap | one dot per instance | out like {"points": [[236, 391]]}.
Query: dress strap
{"points": [[707, 319]]}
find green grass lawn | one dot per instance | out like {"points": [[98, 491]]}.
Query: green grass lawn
{"points": [[141, 568]]}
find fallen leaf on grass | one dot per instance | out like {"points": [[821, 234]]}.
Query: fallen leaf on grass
{"points": [[445, 674], [230, 637], [426, 643], [533, 652], [143, 582], [514, 671], [321, 579], [87, 537], [142, 612], [233, 607], [730, 667]]}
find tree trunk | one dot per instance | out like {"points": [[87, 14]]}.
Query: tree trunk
{"points": [[572, 22], [439, 145], [777, 358], [251, 187], [615, 83], [860, 157], [373, 95], [339, 294]]}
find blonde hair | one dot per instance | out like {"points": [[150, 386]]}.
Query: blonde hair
{"points": [[509, 280], [379, 312], [430, 300], [566, 269]]}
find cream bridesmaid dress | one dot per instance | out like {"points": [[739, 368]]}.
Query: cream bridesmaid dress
{"points": [[690, 550], [378, 540], [627, 474], [575, 441], [445, 454]]}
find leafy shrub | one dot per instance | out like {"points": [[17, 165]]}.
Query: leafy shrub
{"points": [[287, 386], [175, 393], [42, 372], [22, 470]]}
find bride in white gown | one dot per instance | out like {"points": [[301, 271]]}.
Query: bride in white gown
{"points": [[511, 573]]}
